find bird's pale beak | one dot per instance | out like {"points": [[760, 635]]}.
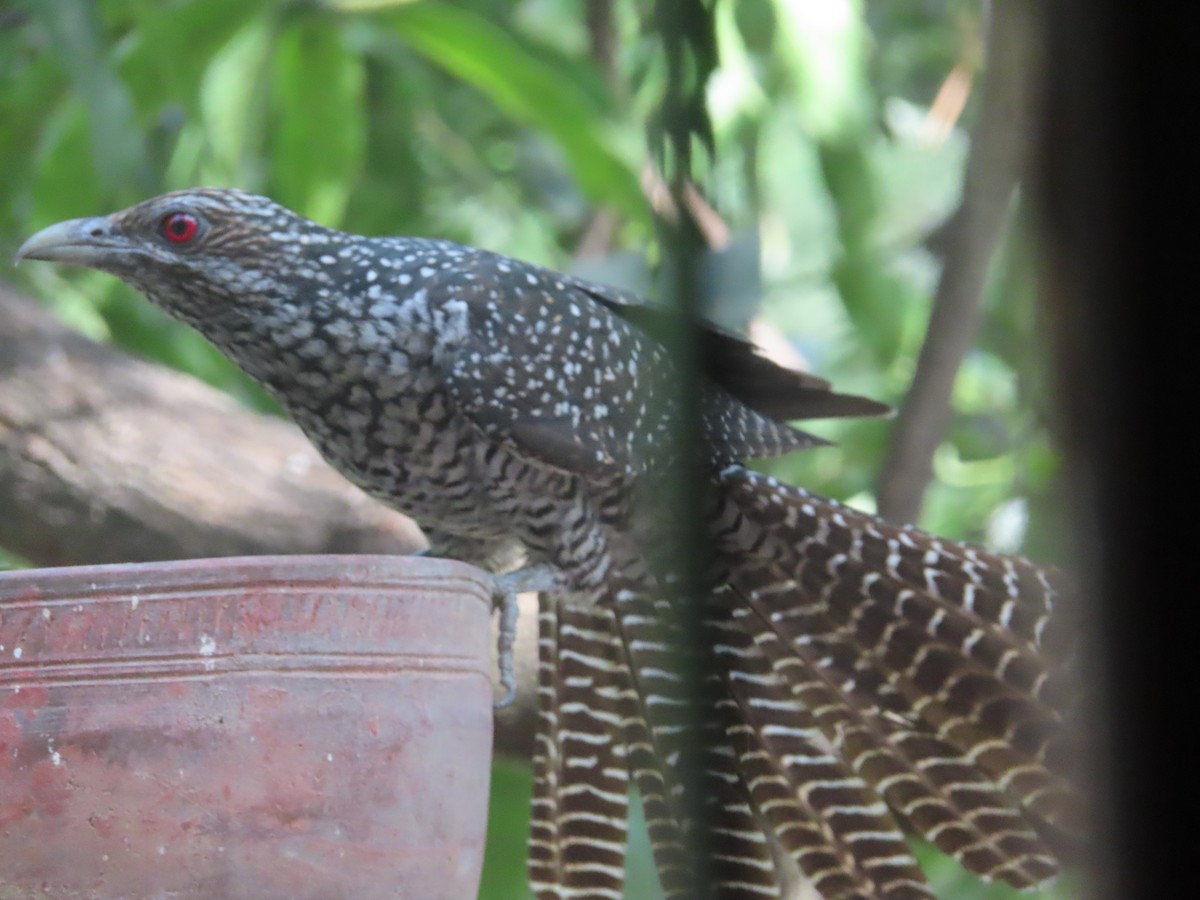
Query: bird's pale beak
{"points": [[80, 242]]}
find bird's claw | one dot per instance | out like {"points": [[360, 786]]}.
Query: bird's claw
{"points": [[506, 587], [506, 602]]}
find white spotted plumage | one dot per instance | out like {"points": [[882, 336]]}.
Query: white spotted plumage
{"points": [[865, 675]]}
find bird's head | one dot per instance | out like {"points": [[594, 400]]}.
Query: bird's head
{"points": [[192, 252]]}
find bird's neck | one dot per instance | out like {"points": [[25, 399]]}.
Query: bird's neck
{"points": [[312, 344]]}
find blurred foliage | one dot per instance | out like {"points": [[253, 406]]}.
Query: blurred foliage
{"points": [[493, 122]]}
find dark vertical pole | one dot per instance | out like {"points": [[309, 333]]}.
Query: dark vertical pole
{"points": [[686, 28], [1116, 192]]}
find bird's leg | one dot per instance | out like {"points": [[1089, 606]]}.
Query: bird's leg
{"points": [[490, 554], [537, 578]]}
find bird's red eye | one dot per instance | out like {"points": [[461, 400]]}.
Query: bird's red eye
{"points": [[179, 227]]}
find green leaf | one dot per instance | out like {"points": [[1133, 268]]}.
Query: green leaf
{"points": [[824, 50], [529, 90], [28, 104], [873, 298], [389, 195], [319, 130], [77, 38], [64, 186], [233, 101], [174, 43]]}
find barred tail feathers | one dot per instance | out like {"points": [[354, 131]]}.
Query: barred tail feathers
{"points": [[578, 828], [872, 682], [925, 661]]}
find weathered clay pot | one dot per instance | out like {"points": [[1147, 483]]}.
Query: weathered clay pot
{"points": [[270, 727]]}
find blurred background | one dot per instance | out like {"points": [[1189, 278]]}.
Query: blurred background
{"points": [[866, 170]]}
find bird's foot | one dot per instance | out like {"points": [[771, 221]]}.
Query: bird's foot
{"points": [[505, 589]]}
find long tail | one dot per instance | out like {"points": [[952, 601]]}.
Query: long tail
{"points": [[875, 682], [581, 756]]}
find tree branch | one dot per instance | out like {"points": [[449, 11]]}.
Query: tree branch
{"points": [[104, 458], [1000, 147]]}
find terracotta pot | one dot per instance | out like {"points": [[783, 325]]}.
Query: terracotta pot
{"points": [[268, 727]]}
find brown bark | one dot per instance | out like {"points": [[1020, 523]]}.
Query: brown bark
{"points": [[106, 458]]}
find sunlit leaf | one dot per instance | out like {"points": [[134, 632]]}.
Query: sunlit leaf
{"points": [[734, 91], [319, 128], [824, 43], [484, 55], [233, 103], [174, 44], [388, 195]]}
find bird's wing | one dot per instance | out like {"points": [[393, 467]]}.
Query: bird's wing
{"points": [[736, 364], [572, 402]]}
